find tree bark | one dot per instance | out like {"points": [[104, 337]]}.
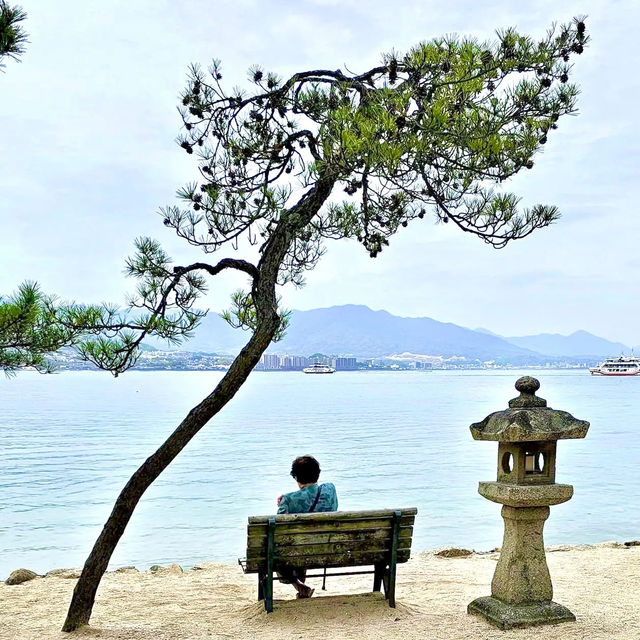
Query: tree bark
{"points": [[85, 591], [268, 322]]}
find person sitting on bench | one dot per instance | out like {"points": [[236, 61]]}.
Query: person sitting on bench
{"points": [[310, 497]]}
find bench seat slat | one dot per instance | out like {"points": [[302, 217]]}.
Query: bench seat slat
{"points": [[324, 537], [290, 551], [254, 537], [330, 560], [320, 516], [327, 525]]}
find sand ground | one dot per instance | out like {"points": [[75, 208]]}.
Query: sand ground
{"points": [[599, 583]]}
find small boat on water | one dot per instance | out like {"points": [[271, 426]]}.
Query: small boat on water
{"points": [[317, 367], [622, 366]]}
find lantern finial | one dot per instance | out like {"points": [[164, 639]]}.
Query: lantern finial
{"points": [[527, 386]]}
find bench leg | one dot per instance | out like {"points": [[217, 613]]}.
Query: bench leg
{"points": [[261, 578], [268, 592], [391, 592], [268, 600], [393, 560], [389, 583], [377, 576]]}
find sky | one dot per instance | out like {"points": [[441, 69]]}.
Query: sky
{"points": [[88, 123]]}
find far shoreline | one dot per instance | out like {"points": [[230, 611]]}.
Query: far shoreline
{"points": [[280, 371]]}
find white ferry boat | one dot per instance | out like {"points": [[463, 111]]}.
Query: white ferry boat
{"points": [[622, 366], [316, 367]]}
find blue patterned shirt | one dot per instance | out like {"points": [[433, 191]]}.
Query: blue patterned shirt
{"points": [[302, 500]]}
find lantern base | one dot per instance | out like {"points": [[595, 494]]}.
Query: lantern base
{"points": [[508, 616]]}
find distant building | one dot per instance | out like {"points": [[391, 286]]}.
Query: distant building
{"points": [[293, 363], [270, 361], [344, 364]]}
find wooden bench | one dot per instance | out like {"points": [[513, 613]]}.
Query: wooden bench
{"points": [[329, 540]]}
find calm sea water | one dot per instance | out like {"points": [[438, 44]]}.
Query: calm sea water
{"points": [[69, 442]]}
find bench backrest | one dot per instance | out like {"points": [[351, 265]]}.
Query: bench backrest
{"points": [[329, 539]]}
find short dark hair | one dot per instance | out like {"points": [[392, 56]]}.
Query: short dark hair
{"points": [[305, 469]]}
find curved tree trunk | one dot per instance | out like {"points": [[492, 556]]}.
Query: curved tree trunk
{"points": [[268, 322], [85, 591]]}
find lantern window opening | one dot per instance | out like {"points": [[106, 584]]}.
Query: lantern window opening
{"points": [[507, 462]]}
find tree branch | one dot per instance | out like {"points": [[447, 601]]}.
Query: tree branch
{"points": [[214, 270]]}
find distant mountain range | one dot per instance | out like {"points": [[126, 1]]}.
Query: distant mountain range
{"points": [[359, 331], [579, 343]]}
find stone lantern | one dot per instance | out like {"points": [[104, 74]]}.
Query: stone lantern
{"points": [[527, 433]]}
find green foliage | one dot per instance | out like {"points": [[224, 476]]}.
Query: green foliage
{"points": [[243, 315], [33, 326], [429, 131], [12, 35], [163, 308]]}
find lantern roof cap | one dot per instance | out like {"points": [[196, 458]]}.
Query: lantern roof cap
{"points": [[528, 419]]}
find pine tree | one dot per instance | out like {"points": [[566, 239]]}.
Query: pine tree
{"points": [[328, 154]]}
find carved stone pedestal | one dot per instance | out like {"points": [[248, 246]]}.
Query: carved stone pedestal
{"points": [[521, 588]]}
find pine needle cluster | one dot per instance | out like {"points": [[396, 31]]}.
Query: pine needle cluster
{"points": [[12, 36]]}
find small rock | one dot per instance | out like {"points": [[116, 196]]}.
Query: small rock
{"points": [[632, 543], [170, 568], [454, 552], [20, 575], [128, 569], [175, 568], [72, 574], [612, 545]]}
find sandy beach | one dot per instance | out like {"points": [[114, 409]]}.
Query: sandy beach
{"points": [[599, 583]]}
